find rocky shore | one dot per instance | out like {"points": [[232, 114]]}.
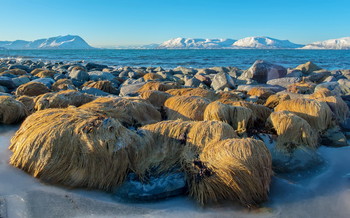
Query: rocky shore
{"points": [[265, 119]]}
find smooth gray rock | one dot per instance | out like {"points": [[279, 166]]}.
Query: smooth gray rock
{"points": [[294, 73], [79, 75], [193, 82], [5, 94], [94, 91], [99, 75], [334, 138], [344, 85], [46, 81], [262, 71], [20, 81], [133, 75], [284, 82], [345, 125], [60, 76], [221, 81], [334, 87], [272, 88], [3, 89], [7, 82], [318, 76], [184, 70], [130, 90], [18, 66], [90, 66]]}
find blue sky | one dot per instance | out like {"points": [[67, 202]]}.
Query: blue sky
{"points": [[134, 22]]}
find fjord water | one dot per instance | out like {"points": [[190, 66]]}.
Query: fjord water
{"points": [[197, 58]]}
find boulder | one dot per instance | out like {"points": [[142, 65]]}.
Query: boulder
{"points": [[130, 90], [284, 82], [331, 86], [262, 71], [318, 76], [294, 73], [334, 137], [344, 85], [308, 67], [345, 125], [18, 66], [272, 88], [7, 82], [3, 89], [94, 91], [193, 82], [184, 70], [99, 75], [80, 75], [20, 80], [90, 66], [46, 81], [221, 81]]}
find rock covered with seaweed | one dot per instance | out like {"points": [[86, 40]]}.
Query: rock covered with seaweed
{"points": [[218, 132]]}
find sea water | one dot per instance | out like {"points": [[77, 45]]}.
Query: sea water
{"points": [[327, 59]]}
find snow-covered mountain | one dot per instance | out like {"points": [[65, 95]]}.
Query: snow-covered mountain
{"points": [[341, 43], [246, 43], [191, 43], [59, 42], [265, 43]]}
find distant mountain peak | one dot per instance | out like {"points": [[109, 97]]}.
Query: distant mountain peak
{"points": [[263, 42], [57, 42], [341, 43]]}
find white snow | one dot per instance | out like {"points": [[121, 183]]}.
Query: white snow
{"points": [[58, 42], [188, 43], [341, 43], [326, 194], [265, 43]]}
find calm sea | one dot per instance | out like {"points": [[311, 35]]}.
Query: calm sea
{"points": [[328, 59]]}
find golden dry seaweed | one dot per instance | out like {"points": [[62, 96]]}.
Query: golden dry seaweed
{"points": [[321, 93], [301, 88], [17, 72], [186, 107], [103, 85], [200, 92], [235, 116], [260, 112], [152, 76], [28, 102], [62, 99], [32, 89], [170, 138], [158, 86], [317, 114], [293, 131], [74, 147], [46, 73], [129, 111], [11, 110], [36, 71], [274, 100], [239, 170], [156, 98], [62, 84], [338, 106], [228, 95], [260, 92]]}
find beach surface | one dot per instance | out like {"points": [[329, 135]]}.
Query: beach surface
{"points": [[325, 193]]}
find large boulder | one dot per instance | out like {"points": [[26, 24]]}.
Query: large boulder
{"points": [[284, 82], [99, 75], [222, 80], [262, 71], [308, 67], [80, 75], [272, 88], [95, 66], [130, 90], [20, 80], [46, 81], [7, 82], [344, 85]]}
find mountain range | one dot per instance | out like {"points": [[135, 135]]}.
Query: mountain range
{"points": [[76, 42], [58, 42]]}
